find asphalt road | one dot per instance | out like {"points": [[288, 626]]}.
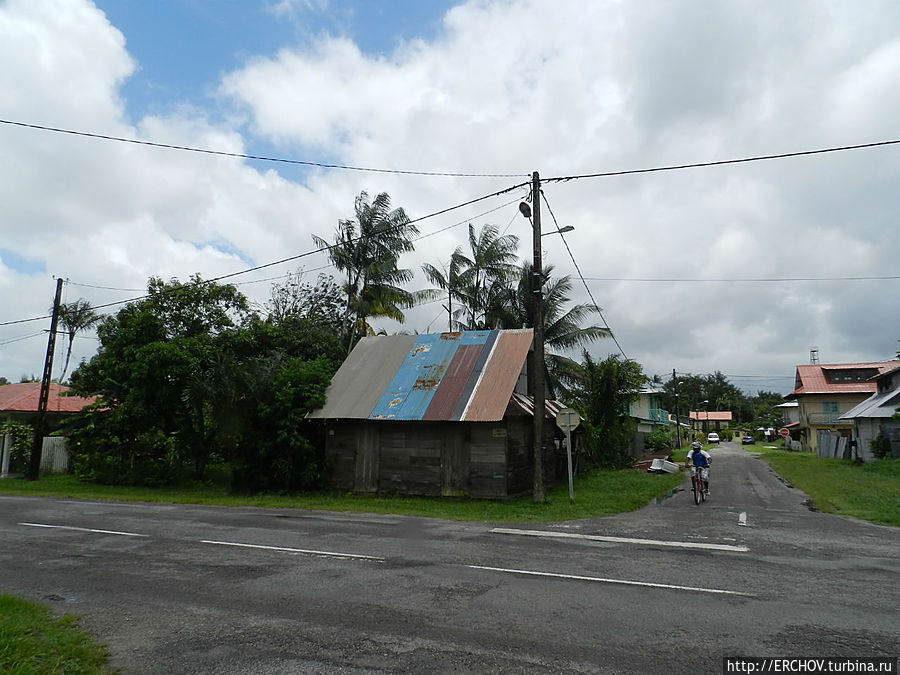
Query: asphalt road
{"points": [[671, 588]]}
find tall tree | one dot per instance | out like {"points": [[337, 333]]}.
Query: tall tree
{"points": [[145, 372], [76, 317], [563, 324], [606, 388], [321, 303], [367, 249], [489, 264], [446, 279]]}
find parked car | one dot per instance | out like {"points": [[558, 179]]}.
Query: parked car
{"points": [[747, 439], [712, 437]]}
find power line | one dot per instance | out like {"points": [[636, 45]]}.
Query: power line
{"points": [[20, 338], [742, 160], [752, 280], [260, 158], [581, 276], [312, 252]]}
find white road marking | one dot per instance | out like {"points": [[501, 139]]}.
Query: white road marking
{"points": [[84, 529], [295, 550], [626, 582], [742, 519], [621, 540]]}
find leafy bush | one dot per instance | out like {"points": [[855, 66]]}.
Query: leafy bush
{"points": [[106, 450], [276, 453], [21, 444], [881, 447], [658, 439]]}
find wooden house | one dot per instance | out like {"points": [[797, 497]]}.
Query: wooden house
{"points": [[438, 414]]}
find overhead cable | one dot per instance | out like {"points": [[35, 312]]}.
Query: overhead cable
{"points": [[260, 158], [742, 160], [308, 253], [581, 276]]}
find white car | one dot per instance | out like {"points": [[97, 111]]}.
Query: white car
{"points": [[712, 437]]}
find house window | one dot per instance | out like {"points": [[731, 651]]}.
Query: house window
{"points": [[850, 374], [831, 412]]}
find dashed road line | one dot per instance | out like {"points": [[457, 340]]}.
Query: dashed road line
{"points": [[621, 540], [84, 529], [285, 549], [625, 582]]}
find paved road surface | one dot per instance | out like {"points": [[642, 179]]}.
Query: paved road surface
{"points": [[672, 587]]}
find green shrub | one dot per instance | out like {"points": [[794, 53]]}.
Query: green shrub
{"points": [[881, 447], [21, 444], [658, 439]]}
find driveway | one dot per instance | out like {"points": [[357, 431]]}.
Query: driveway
{"points": [[672, 587]]}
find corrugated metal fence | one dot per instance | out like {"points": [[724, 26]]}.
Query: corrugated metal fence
{"points": [[54, 455], [829, 444]]}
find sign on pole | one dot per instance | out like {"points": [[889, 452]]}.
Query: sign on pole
{"points": [[567, 419], [784, 432]]}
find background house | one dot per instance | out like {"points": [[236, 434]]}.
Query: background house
{"points": [[875, 417], [19, 402], [438, 414], [702, 422], [825, 392], [648, 414]]}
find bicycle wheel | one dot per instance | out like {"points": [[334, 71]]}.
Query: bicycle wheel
{"points": [[697, 490], [701, 490]]}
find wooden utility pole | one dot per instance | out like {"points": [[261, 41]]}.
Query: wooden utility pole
{"points": [[677, 414], [34, 465], [538, 379]]}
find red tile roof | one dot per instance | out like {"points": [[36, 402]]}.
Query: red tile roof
{"points": [[712, 416], [811, 379], [24, 398]]}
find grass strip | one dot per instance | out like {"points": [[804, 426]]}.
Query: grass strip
{"points": [[32, 642], [869, 491], [600, 493]]}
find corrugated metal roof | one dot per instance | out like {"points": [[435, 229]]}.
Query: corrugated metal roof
{"points": [[466, 376], [498, 380], [526, 403], [882, 405], [363, 377], [23, 397], [811, 378]]}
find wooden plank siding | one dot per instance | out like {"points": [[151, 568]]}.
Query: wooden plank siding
{"points": [[428, 459]]}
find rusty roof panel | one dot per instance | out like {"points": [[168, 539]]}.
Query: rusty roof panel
{"points": [[363, 377], [453, 386], [416, 380], [498, 379]]}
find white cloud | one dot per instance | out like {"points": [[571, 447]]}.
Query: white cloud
{"points": [[504, 87]]}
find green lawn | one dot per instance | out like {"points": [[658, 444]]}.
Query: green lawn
{"points": [[601, 493], [32, 642], [870, 491]]}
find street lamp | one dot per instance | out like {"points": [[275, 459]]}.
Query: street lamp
{"points": [[564, 228]]}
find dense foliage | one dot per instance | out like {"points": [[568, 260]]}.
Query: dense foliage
{"points": [[605, 391], [189, 375], [20, 433]]}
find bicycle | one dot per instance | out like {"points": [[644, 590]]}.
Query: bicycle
{"points": [[699, 484]]}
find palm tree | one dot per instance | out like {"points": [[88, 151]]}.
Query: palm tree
{"points": [[491, 262], [76, 317], [563, 328], [368, 247], [446, 279]]}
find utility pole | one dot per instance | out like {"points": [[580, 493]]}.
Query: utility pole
{"points": [[677, 415], [539, 407], [34, 465]]}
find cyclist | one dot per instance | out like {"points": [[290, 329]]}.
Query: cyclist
{"points": [[700, 460]]}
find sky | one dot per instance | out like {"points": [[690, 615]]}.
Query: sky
{"points": [[740, 268]]}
